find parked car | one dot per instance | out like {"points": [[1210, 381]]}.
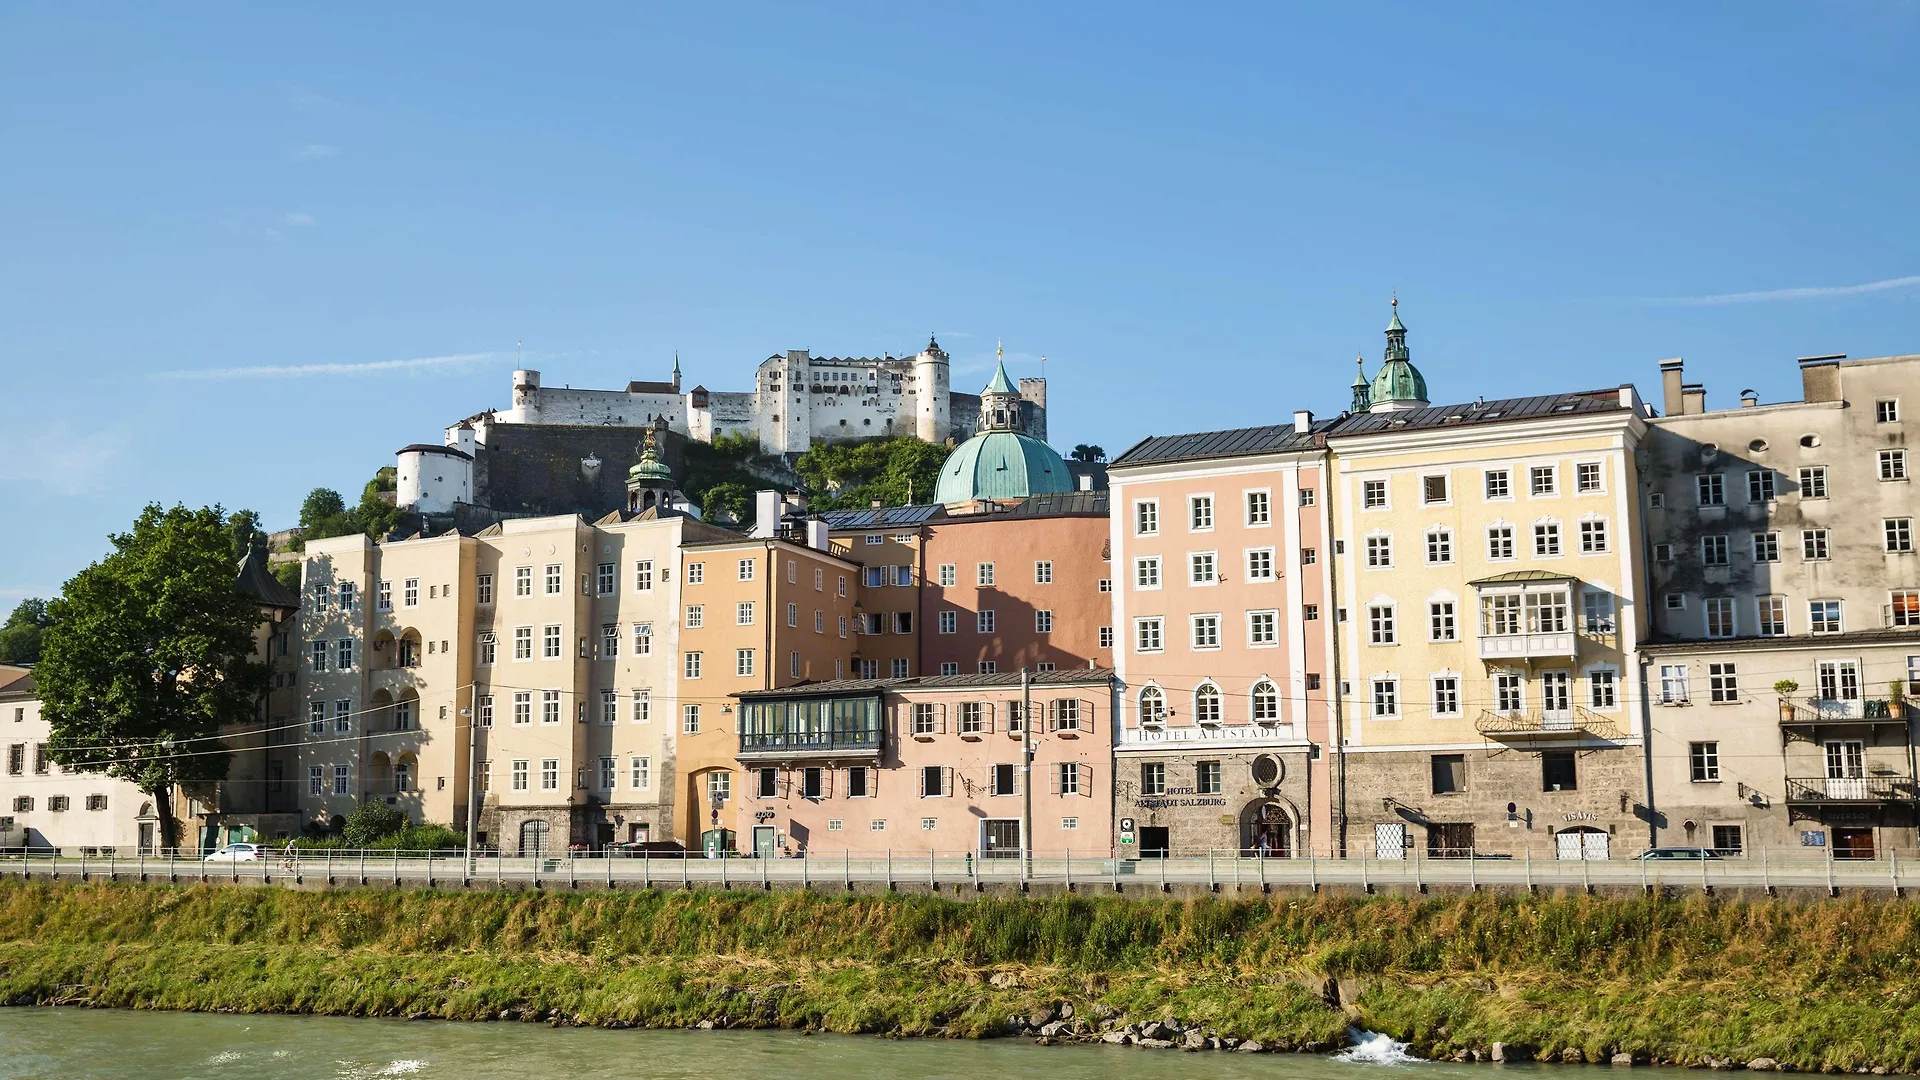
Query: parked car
{"points": [[235, 853], [1679, 854]]}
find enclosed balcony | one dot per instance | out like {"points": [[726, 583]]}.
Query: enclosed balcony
{"points": [[1526, 614], [817, 726]]}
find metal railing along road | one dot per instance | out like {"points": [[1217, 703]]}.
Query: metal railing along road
{"points": [[1220, 870]]}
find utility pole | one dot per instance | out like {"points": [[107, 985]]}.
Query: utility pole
{"points": [[1026, 775]]}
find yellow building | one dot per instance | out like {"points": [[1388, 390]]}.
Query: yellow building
{"points": [[1487, 621]]}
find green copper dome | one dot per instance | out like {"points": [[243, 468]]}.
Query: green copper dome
{"points": [[1001, 465], [649, 471], [1399, 385]]}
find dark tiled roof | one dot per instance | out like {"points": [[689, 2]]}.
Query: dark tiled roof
{"points": [[1579, 403], [843, 687], [638, 387], [1217, 444], [1061, 504], [884, 517], [257, 581]]}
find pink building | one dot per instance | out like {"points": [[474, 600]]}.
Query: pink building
{"points": [[928, 764], [1222, 607]]}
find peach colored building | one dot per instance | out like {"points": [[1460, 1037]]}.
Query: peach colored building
{"points": [[1224, 607], [889, 544], [928, 764], [756, 613]]}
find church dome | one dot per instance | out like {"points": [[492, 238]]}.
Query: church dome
{"points": [[1399, 380], [1001, 465]]}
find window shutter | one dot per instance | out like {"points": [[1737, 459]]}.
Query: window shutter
{"points": [[1086, 779], [946, 780], [1055, 775], [828, 782], [923, 783], [986, 717], [940, 711], [873, 782]]}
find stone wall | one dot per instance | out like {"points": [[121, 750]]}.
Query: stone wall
{"points": [[539, 470], [1197, 822]]}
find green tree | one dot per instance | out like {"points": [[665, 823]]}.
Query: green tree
{"points": [[323, 506], [248, 537], [149, 655], [371, 823], [729, 501], [21, 636], [895, 471], [1088, 452]]}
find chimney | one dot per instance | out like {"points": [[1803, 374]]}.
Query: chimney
{"points": [[1820, 377], [766, 514], [817, 535], [1749, 399], [877, 504], [1694, 397], [1670, 400], [1302, 421]]}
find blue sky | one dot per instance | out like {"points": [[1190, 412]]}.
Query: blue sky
{"points": [[249, 251]]}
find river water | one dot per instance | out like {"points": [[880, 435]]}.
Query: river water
{"points": [[85, 1044]]}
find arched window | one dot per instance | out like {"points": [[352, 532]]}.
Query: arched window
{"points": [[1266, 703], [1206, 704], [1153, 705]]}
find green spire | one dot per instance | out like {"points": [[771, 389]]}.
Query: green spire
{"points": [[649, 470], [1396, 335], [1399, 385], [1000, 384], [1361, 398]]}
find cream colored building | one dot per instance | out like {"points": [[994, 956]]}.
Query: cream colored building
{"points": [[1486, 560], [43, 806]]}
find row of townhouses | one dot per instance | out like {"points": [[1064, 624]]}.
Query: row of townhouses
{"points": [[1569, 625]]}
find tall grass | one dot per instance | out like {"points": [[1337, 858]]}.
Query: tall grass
{"points": [[1818, 984]]}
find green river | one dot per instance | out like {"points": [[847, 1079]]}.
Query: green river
{"points": [[38, 1043]]}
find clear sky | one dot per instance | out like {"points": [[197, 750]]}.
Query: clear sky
{"points": [[250, 250]]}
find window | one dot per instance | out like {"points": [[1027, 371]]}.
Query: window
{"points": [[1766, 547], [341, 773], [1440, 621], [696, 573], [1813, 543], [1886, 412], [696, 616], [1673, 684], [1813, 482], [642, 706], [1153, 778], [1153, 705], [1106, 585], [1146, 572], [1433, 489], [1440, 547], [523, 707], [1509, 691], [603, 582], [690, 720], [552, 579], [985, 667], [1903, 607], [549, 706], [1379, 551], [1146, 517], [607, 774], [1770, 616], [1263, 628], [1309, 612], [1499, 614], [1710, 489], [1596, 611], [692, 665], [1603, 689], [1719, 616], [1043, 622], [1266, 703], [520, 773], [1500, 542], [1899, 534], [866, 669], [1386, 699], [949, 575], [1200, 513], [640, 773], [319, 656], [316, 780], [1713, 550], [1546, 540], [550, 642], [1587, 476], [949, 622], [342, 717], [643, 576], [743, 663], [410, 593], [1259, 508], [1893, 464], [316, 718], [1704, 760], [1200, 568], [983, 621], [1067, 777], [1663, 553], [746, 569], [383, 596], [1147, 635], [1760, 486], [1557, 771], [1723, 684], [1593, 536], [345, 649], [1446, 695], [1002, 780], [643, 639], [1449, 774], [1837, 680], [1542, 480], [743, 613], [522, 581], [550, 774], [1306, 496], [1497, 484], [1259, 564], [983, 574], [1373, 494], [1206, 631], [820, 579], [1206, 778]]}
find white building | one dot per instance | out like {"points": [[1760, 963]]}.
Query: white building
{"points": [[46, 806]]}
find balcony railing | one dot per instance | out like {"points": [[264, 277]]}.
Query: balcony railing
{"points": [[1815, 712], [1850, 789], [1571, 723]]}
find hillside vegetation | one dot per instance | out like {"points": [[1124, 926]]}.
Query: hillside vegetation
{"points": [[1833, 985]]}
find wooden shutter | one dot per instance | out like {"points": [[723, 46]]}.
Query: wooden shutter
{"points": [[1086, 779], [946, 780], [1053, 775], [940, 711], [987, 725]]}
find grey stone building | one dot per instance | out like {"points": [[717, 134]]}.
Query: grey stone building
{"points": [[1785, 605]]}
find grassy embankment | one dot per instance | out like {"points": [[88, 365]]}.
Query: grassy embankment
{"points": [[1816, 985]]}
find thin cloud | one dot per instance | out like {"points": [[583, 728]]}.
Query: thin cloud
{"points": [[58, 458], [310, 371], [1810, 292], [300, 220], [313, 152]]}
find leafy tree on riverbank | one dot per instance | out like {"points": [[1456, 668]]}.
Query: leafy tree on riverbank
{"points": [[149, 653], [21, 636]]}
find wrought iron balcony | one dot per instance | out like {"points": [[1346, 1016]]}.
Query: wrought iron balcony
{"points": [[1850, 789], [1571, 723], [1811, 713]]}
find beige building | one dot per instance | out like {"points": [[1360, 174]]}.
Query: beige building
{"points": [[1782, 552], [44, 807]]}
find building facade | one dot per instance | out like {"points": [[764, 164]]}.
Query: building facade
{"points": [[44, 806], [1786, 614]]}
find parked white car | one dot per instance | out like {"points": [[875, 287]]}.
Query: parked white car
{"points": [[235, 853]]}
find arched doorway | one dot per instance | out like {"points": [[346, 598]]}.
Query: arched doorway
{"points": [[533, 836], [1266, 830]]}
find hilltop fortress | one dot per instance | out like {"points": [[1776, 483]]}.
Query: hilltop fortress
{"points": [[797, 400]]}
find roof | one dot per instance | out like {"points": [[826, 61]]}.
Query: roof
{"points": [[1578, 403], [1523, 577], [1902, 636], [256, 580], [16, 681], [1003, 679], [1053, 504], [432, 448], [638, 387], [884, 517], [1001, 465], [1234, 442], [1000, 384]]}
